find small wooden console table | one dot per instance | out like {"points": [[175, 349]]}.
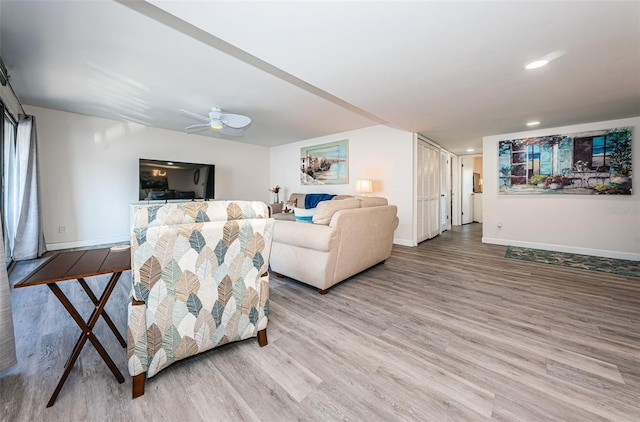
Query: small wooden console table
{"points": [[77, 265]]}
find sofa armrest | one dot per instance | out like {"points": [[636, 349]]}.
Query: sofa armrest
{"points": [[366, 238], [299, 198], [305, 235]]}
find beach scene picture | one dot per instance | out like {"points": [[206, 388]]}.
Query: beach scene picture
{"points": [[325, 164], [587, 163]]}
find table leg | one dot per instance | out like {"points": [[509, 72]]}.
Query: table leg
{"points": [[104, 314], [86, 333]]}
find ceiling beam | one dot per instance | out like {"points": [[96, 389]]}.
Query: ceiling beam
{"points": [[153, 12]]}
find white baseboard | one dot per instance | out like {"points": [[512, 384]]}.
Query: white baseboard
{"points": [[120, 239], [85, 243], [562, 248], [403, 242]]}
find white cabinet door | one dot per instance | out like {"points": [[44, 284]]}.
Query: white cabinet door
{"points": [[445, 190], [428, 190]]}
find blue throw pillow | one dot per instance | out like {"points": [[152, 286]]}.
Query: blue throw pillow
{"points": [[304, 215]]}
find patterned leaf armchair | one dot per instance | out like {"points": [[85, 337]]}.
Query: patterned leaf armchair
{"points": [[200, 280]]}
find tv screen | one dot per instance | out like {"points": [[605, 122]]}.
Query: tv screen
{"points": [[168, 180]]}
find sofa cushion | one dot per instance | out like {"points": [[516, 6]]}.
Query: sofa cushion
{"points": [[304, 215], [326, 209], [340, 197], [372, 201]]}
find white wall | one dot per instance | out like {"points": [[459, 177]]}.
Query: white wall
{"points": [[379, 153], [602, 225], [89, 172]]}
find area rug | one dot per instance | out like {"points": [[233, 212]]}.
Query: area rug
{"points": [[585, 262]]}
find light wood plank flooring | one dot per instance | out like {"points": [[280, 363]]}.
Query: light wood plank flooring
{"points": [[447, 331]]}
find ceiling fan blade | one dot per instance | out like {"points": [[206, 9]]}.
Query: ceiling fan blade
{"points": [[231, 131], [195, 115], [198, 126], [235, 121]]}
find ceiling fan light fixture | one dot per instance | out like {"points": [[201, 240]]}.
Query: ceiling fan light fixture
{"points": [[221, 123], [536, 64]]}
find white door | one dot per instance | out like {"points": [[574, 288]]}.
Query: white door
{"points": [[428, 190], [445, 190], [456, 188], [467, 190]]}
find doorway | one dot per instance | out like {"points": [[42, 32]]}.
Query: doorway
{"points": [[467, 190]]}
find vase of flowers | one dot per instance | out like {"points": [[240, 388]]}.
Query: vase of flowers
{"points": [[276, 194]]}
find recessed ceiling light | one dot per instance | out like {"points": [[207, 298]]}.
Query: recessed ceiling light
{"points": [[536, 123], [469, 149], [536, 64]]}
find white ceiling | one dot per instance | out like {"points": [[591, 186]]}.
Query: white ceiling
{"points": [[452, 71]]}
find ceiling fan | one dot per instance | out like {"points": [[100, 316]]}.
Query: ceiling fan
{"points": [[224, 123]]}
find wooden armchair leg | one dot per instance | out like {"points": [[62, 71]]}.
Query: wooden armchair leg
{"points": [[262, 337], [323, 291], [138, 385]]}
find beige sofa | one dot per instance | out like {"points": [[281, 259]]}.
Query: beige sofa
{"points": [[346, 237]]}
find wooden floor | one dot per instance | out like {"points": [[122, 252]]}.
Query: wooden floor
{"points": [[449, 330]]}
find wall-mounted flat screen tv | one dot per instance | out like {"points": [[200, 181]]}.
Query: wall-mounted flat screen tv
{"points": [[169, 180]]}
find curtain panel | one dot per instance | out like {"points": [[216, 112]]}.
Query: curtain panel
{"points": [[7, 337], [10, 200], [29, 238]]}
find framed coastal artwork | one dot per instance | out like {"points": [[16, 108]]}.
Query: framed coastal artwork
{"points": [[587, 163], [325, 164]]}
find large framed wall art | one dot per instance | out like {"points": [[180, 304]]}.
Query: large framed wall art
{"points": [[325, 164], [596, 162]]}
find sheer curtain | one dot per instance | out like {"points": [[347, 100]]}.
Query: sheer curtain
{"points": [[28, 238], [7, 339], [9, 190], [23, 221]]}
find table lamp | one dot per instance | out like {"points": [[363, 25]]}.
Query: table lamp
{"points": [[364, 186]]}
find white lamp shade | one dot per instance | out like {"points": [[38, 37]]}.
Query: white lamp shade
{"points": [[364, 186]]}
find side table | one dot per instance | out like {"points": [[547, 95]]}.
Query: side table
{"points": [[77, 265]]}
